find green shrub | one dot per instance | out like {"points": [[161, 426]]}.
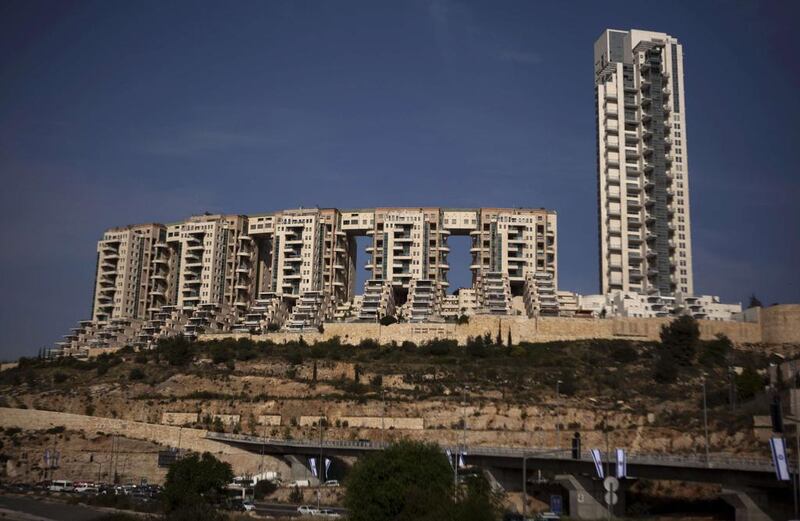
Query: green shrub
{"points": [[263, 489], [388, 320]]}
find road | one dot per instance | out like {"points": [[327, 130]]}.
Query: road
{"points": [[36, 508], [23, 508], [282, 509]]}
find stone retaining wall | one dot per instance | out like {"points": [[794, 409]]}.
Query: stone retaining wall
{"points": [[168, 435], [782, 326], [178, 418]]}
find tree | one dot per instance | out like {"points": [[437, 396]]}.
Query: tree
{"points": [[413, 481], [749, 383], [754, 302], [387, 320], [478, 501], [264, 488], [136, 374], [407, 481], [177, 351], [195, 487], [296, 495], [716, 352], [681, 337]]}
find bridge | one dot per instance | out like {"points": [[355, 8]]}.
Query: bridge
{"points": [[749, 484]]}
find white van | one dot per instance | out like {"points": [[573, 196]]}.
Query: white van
{"points": [[61, 485]]}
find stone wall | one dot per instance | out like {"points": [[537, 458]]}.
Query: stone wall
{"points": [[226, 419], [783, 327], [241, 460], [780, 324], [178, 418], [376, 422], [168, 435], [270, 420]]}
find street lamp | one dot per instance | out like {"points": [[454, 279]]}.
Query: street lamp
{"points": [[383, 416], [558, 413], [525, 458], [705, 416], [460, 446]]}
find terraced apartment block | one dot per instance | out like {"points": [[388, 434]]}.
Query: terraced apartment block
{"points": [[296, 269]]}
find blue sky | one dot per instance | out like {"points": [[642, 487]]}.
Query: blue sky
{"points": [[115, 112]]}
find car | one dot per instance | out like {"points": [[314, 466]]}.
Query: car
{"points": [[248, 506], [300, 483], [87, 488], [61, 485], [331, 483], [305, 510], [326, 512], [547, 516]]}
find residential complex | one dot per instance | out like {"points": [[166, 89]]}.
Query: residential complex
{"points": [[643, 183], [296, 269]]}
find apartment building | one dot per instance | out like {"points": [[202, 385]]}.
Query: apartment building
{"points": [[123, 272], [642, 161], [205, 250], [295, 269], [408, 244]]}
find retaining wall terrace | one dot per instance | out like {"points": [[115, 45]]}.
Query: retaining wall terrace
{"points": [[777, 325], [186, 438]]}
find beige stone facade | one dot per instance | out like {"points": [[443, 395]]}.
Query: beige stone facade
{"points": [[643, 176], [295, 270]]}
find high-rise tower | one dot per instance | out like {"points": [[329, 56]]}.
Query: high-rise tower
{"points": [[643, 183]]}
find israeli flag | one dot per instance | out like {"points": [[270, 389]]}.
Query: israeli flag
{"points": [[778, 446], [46, 458], [449, 456], [461, 463], [327, 465], [622, 464], [57, 458], [312, 462], [598, 462]]}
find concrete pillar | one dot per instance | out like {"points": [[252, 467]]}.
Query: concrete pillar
{"points": [[586, 497], [300, 469], [746, 507]]}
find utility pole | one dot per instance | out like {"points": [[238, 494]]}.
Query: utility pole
{"points": [[705, 417], [263, 442], [558, 413], [383, 416], [464, 419], [320, 464], [524, 487]]}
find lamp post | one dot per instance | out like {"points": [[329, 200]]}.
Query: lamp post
{"points": [[525, 458], [383, 416], [705, 416], [558, 413], [460, 446], [320, 464]]}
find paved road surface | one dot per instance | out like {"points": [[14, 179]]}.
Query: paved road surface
{"points": [[282, 509], [36, 509]]}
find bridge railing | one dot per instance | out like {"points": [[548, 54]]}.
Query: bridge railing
{"points": [[723, 461]]}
